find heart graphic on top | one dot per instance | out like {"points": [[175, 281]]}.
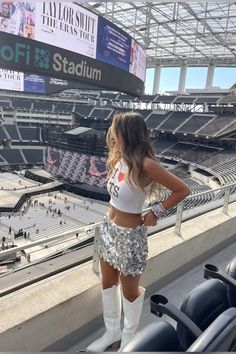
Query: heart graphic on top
{"points": [[121, 176]]}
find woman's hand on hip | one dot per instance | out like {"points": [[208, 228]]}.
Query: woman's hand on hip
{"points": [[150, 219]]}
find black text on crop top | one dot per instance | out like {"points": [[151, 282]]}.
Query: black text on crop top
{"points": [[125, 197]]}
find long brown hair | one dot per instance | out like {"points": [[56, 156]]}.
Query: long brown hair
{"points": [[132, 129]]}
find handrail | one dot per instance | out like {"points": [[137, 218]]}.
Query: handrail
{"points": [[92, 227]]}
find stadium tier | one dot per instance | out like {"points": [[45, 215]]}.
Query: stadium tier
{"points": [[29, 133], [217, 124], [42, 105], [33, 156], [83, 110], [199, 153], [63, 107], [185, 99], [196, 122], [12, 132], [101, 113], [164, 99], [146, 98], [230, 99], [20, 103], [5, 104], [107, 96], [174, 120], [207, 100], [3, 134], [12, 156], [125, 98], [178, 150], [144, 112], [161, 145], [154, 120]]}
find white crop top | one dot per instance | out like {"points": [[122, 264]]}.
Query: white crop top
{"points": [[125, 197]]}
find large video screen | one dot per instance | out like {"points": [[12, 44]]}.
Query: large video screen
{"points": [[70, 26], [23, 82], [76, 167], [11, 80]]}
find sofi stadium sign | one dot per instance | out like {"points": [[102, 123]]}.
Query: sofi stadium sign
{"points": [[22, 54]]}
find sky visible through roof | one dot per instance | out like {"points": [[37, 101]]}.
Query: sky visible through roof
{"points": [[195, 78]]}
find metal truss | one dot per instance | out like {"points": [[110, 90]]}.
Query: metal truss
{"points": [[177, 33]]}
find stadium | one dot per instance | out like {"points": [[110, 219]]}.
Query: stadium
{"points": [[56, 105]]}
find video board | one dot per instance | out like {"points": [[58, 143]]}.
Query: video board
{"points": [[75, 29], [75, 167], [22, 82]]}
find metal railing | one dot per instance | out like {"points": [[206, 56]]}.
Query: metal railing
{"points": [[223, 197]]}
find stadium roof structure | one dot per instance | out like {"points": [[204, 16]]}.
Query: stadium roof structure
{"points": [[177, 33]]}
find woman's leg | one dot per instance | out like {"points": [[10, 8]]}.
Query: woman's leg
{"points": [[110, 275], [111, 300], [133, 297], [130, 286]]}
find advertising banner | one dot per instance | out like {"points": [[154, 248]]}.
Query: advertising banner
{"points": [[34, 83], [67, 25], [18, 18], [113, 45], [137, 60], [11, 80]]}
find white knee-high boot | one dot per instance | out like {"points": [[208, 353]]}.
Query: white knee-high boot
{"points": [[132, 313], [111, 299]]}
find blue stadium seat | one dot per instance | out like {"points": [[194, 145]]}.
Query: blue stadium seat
{"points": [[208, 308], [162, 337], [220, 336]]}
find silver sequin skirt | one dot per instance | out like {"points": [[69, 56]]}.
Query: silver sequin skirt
{"points": [[124, 248]]}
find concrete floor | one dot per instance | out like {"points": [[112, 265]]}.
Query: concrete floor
{"points": [[174, 291]]}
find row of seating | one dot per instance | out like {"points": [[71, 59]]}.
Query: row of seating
{"points": [[206, 320], [19, 133], [41, 105], [157, 98], [186, 151], [21, 156], [222, 165], [207, 124]]}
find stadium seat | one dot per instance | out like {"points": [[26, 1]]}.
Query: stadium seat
{"points": [[158, 336], [161, 336], [228, 277], [207, 301], [203, 305], [208, 307], [219, 336]]}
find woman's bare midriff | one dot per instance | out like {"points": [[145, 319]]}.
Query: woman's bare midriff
{"points": [[122, 218]]}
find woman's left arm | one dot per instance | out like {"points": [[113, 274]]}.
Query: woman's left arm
{"points": [[161, 175]]}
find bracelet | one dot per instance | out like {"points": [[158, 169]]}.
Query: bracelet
{"points": [[158, 210]]}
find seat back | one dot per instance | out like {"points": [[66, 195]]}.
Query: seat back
{"points": [[157, 337], [203, 304], [231, 291], [219, 336]]}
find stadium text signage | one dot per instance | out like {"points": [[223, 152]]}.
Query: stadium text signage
{"points": [[22, 54]]}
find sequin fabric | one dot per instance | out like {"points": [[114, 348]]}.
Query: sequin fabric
{"points": [[124, 248]]}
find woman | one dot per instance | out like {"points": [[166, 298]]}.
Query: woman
{"points": [[133, 173]]}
